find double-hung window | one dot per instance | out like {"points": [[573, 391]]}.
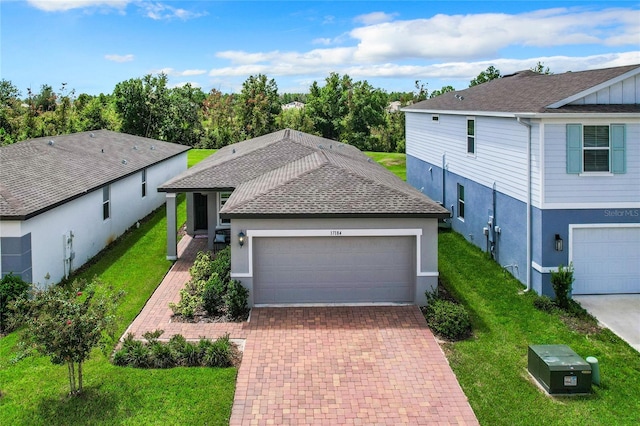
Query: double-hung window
{"points": [[471, 135], [596, 149], [222, 200], [106, 202]]}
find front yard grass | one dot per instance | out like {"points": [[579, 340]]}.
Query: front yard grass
{"points": [[33, 391], [492, 365]]}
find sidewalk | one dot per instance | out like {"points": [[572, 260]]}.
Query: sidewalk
{"points": [[157, 315]]}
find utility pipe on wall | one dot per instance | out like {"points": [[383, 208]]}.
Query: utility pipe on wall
{"points": [[528, 125]]}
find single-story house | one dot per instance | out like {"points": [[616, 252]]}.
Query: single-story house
{"points": [[312, 220], [64, 198], [540, 171]]}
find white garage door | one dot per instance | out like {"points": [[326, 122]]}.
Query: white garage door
{"points": [[606, 260], [334, 269]]}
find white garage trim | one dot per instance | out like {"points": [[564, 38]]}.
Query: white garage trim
{"points": [[336, 233], [602, 226]]}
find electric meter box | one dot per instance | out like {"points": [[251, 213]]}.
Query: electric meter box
{"points": [[559, 370]]}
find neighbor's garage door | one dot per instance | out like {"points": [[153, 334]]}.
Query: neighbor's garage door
{"points": [[334, 270], [606, 260]]}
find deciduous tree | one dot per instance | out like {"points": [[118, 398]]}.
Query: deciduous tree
{"points": [[257, 106], [491, 73], [67, 323]]}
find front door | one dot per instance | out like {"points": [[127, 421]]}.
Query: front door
{"points": [[201, 217]]}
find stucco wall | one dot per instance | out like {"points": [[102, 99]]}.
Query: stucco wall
{"points": [[83, 219]]}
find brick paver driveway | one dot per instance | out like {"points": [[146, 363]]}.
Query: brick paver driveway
{"points": [[328, 366], [345, 365]]}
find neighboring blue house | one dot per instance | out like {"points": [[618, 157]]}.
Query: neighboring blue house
{"points": [[540, 170]]}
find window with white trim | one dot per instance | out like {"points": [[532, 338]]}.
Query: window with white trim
{"points": [[223, 197], [144, 183], [596, 149], [460, 201], [106, 202], [471, 135]]}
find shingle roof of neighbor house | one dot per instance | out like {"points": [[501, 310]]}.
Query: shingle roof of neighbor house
{"points": [[530, 92], [290, 173], [40, 174]]}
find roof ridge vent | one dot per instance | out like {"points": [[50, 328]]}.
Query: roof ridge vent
{"points": [[92, 135], [51, 142]]}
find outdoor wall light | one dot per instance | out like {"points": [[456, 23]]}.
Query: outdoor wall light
{"points": [[559, 243], [241, 238]]}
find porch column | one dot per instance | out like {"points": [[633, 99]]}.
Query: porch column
{"points": [[172, 227], [212, 217]]}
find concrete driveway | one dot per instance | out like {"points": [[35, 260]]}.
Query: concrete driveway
{"points": [[620, 313], [345, 365]]}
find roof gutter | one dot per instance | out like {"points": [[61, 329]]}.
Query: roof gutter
{"points": [[527, 124]]}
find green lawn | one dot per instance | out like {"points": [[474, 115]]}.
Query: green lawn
{"points": [[197, 155], [32, 390], [393, 161], [492, 366]]}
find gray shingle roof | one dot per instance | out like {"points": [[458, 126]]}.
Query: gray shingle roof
{"points": [[290, 173], [524, 92], [37, 175]]}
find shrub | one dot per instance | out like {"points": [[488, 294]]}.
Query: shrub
{"points": [[561, 282], [12, 287], [544, 303], [235, 300], [201, 268], [221, 265], [447, 319], [218, 353], [213, 297], [190, 299], [177, 352]]}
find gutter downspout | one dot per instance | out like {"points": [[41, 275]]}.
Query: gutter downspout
{"points": [[528, 125]]}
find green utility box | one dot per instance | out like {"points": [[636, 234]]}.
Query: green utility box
{"points": [[559, 369]]}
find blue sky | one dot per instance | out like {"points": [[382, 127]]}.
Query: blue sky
{"points": [[93, 44]]}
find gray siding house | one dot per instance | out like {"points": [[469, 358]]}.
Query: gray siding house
{"points": [[540, 171], [320, 221], [64, 198]]}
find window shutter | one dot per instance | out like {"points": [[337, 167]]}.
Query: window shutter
{"points": [[618, 154], [574, 148]]}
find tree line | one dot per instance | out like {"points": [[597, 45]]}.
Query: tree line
{"points": [[341, 109]]}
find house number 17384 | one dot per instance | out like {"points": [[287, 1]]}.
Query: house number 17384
{"points": [[336, 233]]}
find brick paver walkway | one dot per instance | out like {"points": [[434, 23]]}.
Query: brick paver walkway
{"points": [[325, 365]]}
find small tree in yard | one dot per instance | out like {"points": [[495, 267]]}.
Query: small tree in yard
{"points": [[67, 323]]}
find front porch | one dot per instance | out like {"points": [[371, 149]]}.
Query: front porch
{"points": [[203, 219]]}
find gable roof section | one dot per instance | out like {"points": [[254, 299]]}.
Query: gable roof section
{"points": [[291, 174], [530, 92], [38, 175]]}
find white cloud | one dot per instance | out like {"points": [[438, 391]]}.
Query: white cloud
{"points": [[175, 73], [375, 18], [484, 35], [184, 83], [323, 41], [119, 58], [160, 11], [452, 46], [63, 5]]}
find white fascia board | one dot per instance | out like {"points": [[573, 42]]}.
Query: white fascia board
{"points": [[570, 116], [589, 206], [594, 89], [469, 112]]}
